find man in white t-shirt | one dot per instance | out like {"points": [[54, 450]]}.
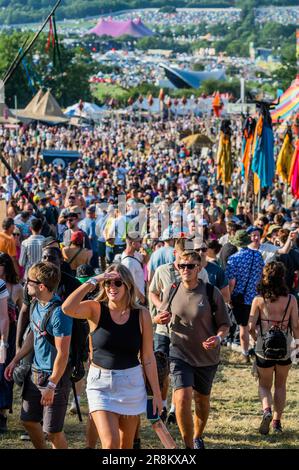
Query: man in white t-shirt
{"points": [[133, 261]]}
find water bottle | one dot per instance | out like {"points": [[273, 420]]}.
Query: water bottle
{"points": [[3, 351], [158, 426], [163, 434]]}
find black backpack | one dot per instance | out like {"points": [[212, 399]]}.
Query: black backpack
{"points": [[275, 340], [78, 347]]}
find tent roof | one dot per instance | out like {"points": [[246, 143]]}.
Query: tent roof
{"points": [[120, 28], [182, 78], [197, 140], [289, 102], [6, 117], [43, 107]]}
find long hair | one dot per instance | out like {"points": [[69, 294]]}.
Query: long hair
{"points": [[10, 273], [127, 278], [273, 283]]}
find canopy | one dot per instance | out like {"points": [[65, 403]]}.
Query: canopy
{"points": [[43, 107], [197, 141], [134, 28], [289, 103]]}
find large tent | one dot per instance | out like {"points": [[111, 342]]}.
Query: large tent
{"points": [[134, 28], [289, 103], [43, 107], [183, 78]]}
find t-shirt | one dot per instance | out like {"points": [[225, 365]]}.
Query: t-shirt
{"points": [[268, 251], [164, 277], [59, 325], [192, 323], [136, 269], [163, 255], [216, 275], [3, 290], [7, 245]]}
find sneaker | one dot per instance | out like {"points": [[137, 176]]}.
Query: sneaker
{"points": [[25, 437], [3, 424], [277, 426], [245, 359], [73, 409], [137, 443], [265, 423], [163, 415], [171, 419], [199, 443]]}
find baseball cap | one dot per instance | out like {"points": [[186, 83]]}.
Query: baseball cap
{"points": [[77, 237], [272, 229], [134, 236]]}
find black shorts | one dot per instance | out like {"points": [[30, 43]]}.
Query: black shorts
{"points": [[161, 343], [241, 314], [266, 363], [52, 416], [183, 375]]}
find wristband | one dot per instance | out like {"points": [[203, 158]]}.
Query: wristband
{"points": [[51, 385], [220, 339]]}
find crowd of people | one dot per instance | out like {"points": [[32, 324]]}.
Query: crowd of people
{"points": [[139, 233]]}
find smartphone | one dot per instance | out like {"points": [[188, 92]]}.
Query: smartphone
{"points": [[149, 410]]}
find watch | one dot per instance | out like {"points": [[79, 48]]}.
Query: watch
{"points": [[92, 281]]}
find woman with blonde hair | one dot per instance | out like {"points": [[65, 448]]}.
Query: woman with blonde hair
{"points": [[119, 331], [274, 313]]}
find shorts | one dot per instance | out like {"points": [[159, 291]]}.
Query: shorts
{"points": [[241, 314], [119, 391], [161, 343], [183, 375], [266, 363], [52, 416]]}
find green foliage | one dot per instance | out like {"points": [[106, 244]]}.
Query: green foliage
{"points": [[68, 82]]}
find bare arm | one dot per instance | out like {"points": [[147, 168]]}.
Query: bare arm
{"points": [[294, 318], [253, 317], [231, 283], [23, 351], [62, 345], [22, 323], [149, 361], [4, 320], [225, 291], [75, 308]]}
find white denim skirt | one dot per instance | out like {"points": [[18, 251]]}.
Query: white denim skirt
{"points": [[118, 391]]}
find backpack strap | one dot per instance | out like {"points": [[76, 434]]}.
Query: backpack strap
{"points": [[133, 257], [45, 321], [75, 255], [172, 292], [285, 311]]}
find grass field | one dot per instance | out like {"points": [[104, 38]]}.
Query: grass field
{"points": [[233, 423]]}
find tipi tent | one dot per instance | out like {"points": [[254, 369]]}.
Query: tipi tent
{"points": [[289, 103], [134, 28], [43, 107]]}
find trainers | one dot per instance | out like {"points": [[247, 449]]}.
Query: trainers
{"points": [[277, 426], [73, 409], [3, 424], [171, 419], [137, 443], [198, 443], [265, 423], [163, 415], [25, 437]]}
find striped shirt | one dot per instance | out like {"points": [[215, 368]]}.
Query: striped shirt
{"points": [[3, 290], [31, 251]]}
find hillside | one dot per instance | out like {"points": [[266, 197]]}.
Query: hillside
{"points": [[25, 11]]}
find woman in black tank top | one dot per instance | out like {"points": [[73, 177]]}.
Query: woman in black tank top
{"points": [[120, 333], [273, 309]]}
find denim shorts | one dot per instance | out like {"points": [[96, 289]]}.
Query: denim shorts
{"points": [[183, 375], [161, 343], [119, 391]]}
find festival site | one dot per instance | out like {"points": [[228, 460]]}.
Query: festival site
{"points": [[149, 225]]}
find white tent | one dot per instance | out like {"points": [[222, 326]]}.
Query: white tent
{"points": [[88, 111]]}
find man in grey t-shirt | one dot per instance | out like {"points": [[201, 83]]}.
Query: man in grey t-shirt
{"points": [[197, 327]]}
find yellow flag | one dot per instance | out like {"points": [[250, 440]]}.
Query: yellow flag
{"points": [[284, 159]]}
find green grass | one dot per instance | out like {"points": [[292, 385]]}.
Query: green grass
{"points": [[233, 422]]}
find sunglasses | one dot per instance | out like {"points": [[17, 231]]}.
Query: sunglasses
{"points": [[72, 197], [187, 266], [203, 249], [71, 220], [32, 281], [116, 283], [16, 234]]}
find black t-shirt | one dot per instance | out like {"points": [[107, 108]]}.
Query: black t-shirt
{"points": [[227, 250]]}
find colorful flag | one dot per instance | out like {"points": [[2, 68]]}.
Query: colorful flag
{"points": [[263, 148], [285, 156], [294, 172]]}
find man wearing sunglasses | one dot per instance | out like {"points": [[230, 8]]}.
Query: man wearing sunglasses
{"points": [[195, 337], [72, 221]]}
